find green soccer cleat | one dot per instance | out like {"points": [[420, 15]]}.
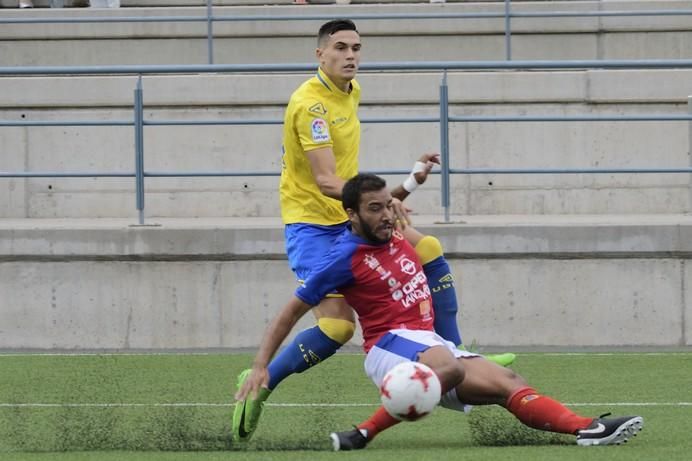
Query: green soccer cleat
{"points": [[247, 412], [504, 360]]}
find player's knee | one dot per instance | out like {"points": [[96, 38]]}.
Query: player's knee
{"points": [[334, 307], [507, 382], [338, 330], [454, 376], [451, 374], [428, 249], [515, 379], [459, 372]]}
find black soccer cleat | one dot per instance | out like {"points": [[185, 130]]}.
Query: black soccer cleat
{"points": [[610, 431], [348, 440]]}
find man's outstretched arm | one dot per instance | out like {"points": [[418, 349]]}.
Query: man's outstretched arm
{"points": [[276, 332], [419, 174]]}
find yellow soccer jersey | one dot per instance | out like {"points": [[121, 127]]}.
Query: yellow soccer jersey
{"points": [[318, 115]]}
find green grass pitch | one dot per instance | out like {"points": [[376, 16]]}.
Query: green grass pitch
{"points": [[178, 406]]}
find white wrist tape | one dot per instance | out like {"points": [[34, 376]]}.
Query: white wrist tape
{"points": [[410, 184], [418, 167]]}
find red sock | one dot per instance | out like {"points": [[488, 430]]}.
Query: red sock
{"points": [[544, 413], [379, 421]]}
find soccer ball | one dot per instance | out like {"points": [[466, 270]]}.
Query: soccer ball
{"points": [[410, 391]]}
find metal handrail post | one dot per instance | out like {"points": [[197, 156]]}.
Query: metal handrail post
{"points": [[689, 152], [508, 30], [210, 33], [139, 150], [444, 143]]}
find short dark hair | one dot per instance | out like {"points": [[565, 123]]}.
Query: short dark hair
{"points": [[357, 186], [334, 26]]}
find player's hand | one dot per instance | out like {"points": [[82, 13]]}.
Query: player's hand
{"points": [[401, 211], [430, 160], [258, 377]]}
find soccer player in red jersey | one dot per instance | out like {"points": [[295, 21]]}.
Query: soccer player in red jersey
{"points": [[380, 276]]}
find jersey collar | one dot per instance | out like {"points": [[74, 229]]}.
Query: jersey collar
{"points": [[322, 77]]}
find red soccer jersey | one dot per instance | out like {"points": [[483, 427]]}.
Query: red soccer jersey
{"points": [[384, 284]]}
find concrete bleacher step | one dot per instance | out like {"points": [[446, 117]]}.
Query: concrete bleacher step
{"points": [[227, 96], [174, 3], [662, 37], [567, 281], [384, 146]]}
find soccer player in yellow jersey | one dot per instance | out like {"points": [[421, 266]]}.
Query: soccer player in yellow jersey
{"points": [[321, 140]]}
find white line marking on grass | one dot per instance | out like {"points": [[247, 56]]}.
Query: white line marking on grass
{"points": [[631, 404], [590, 404], [103, 354], [330, 405], [603, 354], [148, 405], [173, 353], [302, 405], [110, 405]]}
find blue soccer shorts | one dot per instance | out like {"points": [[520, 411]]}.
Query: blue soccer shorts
{"points": [[307, 244]]}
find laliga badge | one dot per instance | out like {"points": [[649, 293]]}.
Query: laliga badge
{"points": [[320, 130]]}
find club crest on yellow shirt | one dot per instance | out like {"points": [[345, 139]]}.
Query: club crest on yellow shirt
{"points": [[318, 109]]}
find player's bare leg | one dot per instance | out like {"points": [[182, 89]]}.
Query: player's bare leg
{"points": [[441, 282], [482, 382], [334, 307], [448, 369], [488, 383]]}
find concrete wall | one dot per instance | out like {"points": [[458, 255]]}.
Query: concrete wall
{"points": [[257, 148], [632, 37], [616, 281], [217, 3], [543, 279]]}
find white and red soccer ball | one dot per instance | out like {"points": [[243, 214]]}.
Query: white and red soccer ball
{"points": [[410, 391]]}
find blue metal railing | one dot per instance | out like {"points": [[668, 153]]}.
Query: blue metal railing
{"points": [[139, 148], [210, 18], [444, 118], [381, 66]]}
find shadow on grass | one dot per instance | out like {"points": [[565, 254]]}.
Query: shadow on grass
{"points": [[65, 429], [496, 427], [113, 428]]}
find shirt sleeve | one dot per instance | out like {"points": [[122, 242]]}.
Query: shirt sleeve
{"points": [[312, 125], [331, 273]]}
